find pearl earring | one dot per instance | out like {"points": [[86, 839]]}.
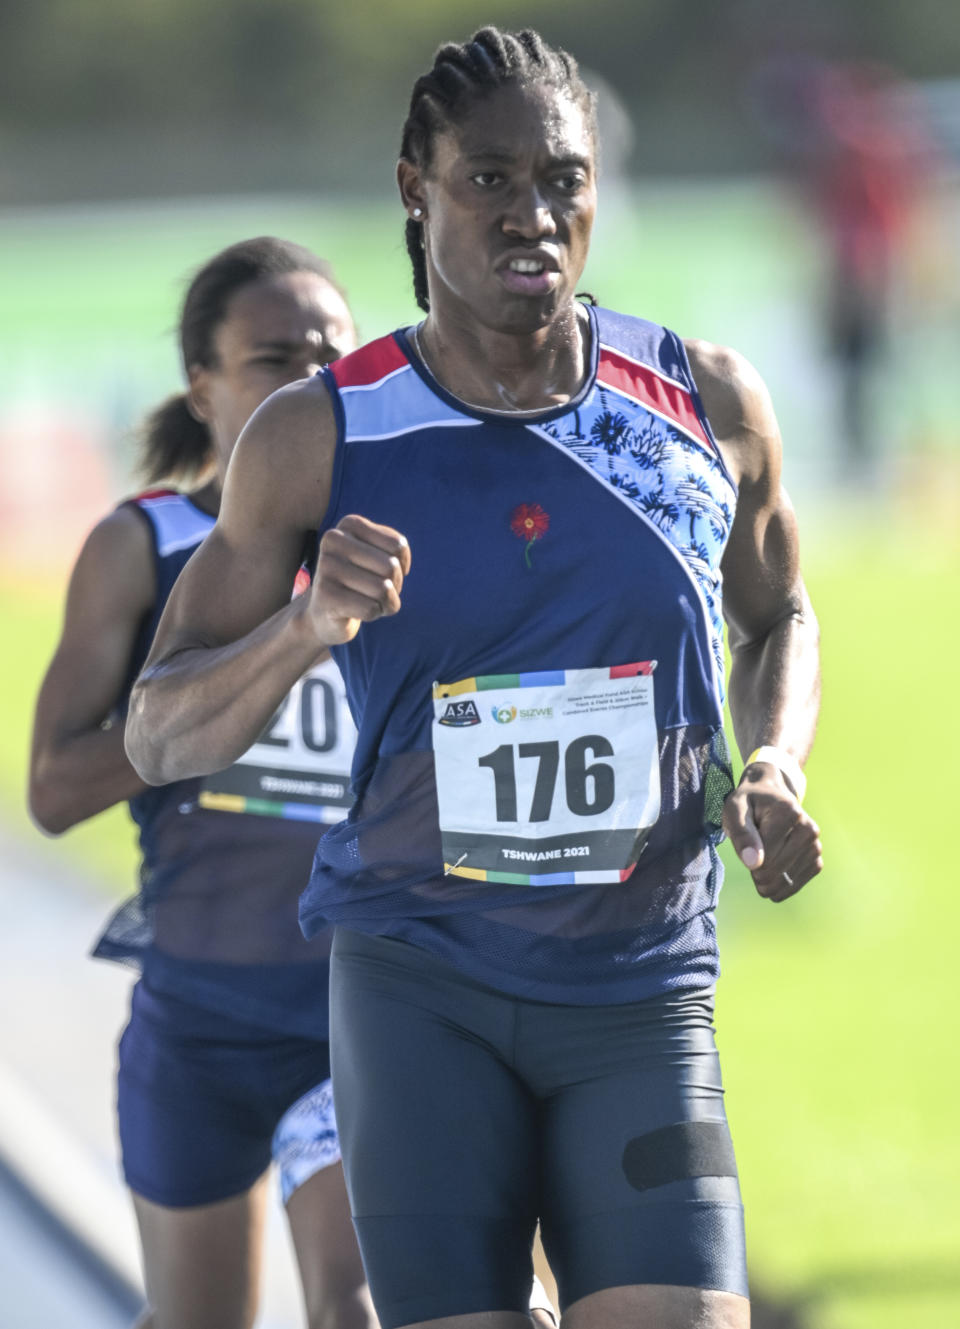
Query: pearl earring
{"points": [[418, 213]]}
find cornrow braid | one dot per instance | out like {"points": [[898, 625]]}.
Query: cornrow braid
{"points": [[462, 76]]}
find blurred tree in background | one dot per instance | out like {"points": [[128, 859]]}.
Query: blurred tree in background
{"points": [[101, 99]]}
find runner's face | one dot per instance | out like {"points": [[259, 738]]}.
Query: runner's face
{"points": [[509, 199], [274, 332]]}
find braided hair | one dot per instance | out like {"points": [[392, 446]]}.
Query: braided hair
{"points": [[173, 444], [463, 75]]}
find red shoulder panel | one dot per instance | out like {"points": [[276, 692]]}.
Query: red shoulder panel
{"points": [[662, 395], [370, 364], [154, 493]]}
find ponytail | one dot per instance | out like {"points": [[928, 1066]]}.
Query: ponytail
{"points": [[173, 444]]}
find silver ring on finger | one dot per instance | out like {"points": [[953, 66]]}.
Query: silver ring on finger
{"points": [[787, 878]]}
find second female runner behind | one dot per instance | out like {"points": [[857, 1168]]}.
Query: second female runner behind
{"points": [[225, 1059]]}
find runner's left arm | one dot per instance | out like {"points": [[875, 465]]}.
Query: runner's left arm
{"points": [[772, 630], [78, 766]]}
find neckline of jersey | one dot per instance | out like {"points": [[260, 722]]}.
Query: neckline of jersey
{"points": [[520, 420]]}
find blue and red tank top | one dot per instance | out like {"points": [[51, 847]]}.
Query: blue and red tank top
{"points": [[585, 538], [225, 858]]}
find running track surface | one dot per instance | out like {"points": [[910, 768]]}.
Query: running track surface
{"points": [[67, 1236]]}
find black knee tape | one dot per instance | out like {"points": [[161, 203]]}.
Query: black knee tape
{"points": [[678, 1152]]}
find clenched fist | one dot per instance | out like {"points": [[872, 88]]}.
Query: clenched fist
{"points": [[360, 572]]}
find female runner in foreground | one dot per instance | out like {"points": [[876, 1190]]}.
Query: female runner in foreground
{"points": [[527, 616], [225, 1055]]}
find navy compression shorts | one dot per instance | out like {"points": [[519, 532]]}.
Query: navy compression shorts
{"points": [[205, 1101], [467, 1113]]}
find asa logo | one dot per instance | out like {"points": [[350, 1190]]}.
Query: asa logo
{"points": [[460, 713], [504, 714]]}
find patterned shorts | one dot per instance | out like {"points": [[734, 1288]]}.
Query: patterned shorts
{"points": [[306, 1141]]}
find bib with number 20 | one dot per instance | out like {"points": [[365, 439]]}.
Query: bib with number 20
{"points": [[299, 767], [548, 778]]}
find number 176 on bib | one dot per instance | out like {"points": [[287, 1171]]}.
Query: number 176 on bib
{"points": [[569, 791]]}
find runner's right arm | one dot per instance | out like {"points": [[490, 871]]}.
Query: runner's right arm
{"points": [[77, 763], [231, 644]]}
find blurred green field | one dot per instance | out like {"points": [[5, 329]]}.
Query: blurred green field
{"points": [[122, 267], [836, 1011], [837, 1015]]}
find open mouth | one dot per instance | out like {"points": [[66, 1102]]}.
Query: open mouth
{"points": [[529, 276]]}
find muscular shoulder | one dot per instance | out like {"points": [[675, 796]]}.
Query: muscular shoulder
{"points": [[283, 460], [738, 406], [116, 563]]}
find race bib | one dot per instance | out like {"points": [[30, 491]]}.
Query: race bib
{"points": [[547, 778], [299, 767]]}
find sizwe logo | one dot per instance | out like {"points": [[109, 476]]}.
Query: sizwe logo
{"points": [[504, 714], [460, 713]]}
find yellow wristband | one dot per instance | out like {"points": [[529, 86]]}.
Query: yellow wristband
{"points": [[788, 766]]}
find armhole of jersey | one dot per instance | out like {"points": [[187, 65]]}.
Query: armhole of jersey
{"points": [[332, 514], [147, 626], [698, 405]]}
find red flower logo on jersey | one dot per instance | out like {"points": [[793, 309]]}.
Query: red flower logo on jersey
{"points": [[529, 522]]}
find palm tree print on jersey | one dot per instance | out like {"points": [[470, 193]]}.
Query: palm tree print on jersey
{"points": [[674, 481], [611, 430], [697, 495], [662, 511]]}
